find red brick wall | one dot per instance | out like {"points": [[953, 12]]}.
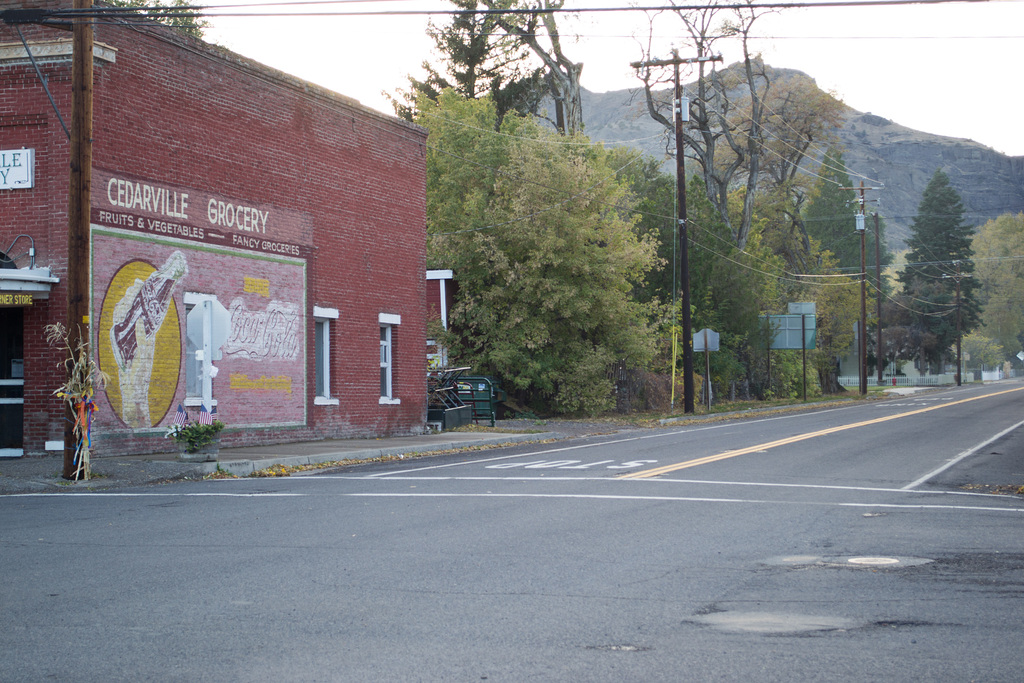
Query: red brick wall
{"points": [[178, 112], [28, 120]]}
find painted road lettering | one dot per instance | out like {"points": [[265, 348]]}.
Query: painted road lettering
{"points": [[571, 464]]}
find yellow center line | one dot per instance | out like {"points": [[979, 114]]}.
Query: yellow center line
{"points": [[665, 469]]}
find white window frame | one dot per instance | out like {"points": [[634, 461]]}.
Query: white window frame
{"points": [[388, 321], [324, 316], [191, 300]]}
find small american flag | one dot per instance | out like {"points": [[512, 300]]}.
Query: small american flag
{"points": [[204, 417], [180, 417]]}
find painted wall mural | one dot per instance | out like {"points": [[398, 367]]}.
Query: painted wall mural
{"points": [[139, 324], [153, 253], [269, 334]]}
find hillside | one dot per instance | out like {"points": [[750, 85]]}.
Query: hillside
{"points": [[899, 158]]}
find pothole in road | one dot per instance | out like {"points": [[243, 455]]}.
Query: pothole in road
{"points": [[773, 623], [619, 648]]}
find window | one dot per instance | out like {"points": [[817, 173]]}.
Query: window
{"points": [[322, 318], [387, 323]]}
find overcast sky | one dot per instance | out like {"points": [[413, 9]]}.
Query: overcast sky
{"points": [[951, 69]]}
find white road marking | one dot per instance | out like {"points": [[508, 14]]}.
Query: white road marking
{"points": [[965, 454], [684, 499], [554, 479], [116, 494]]}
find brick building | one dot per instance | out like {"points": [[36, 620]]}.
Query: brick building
{"points": [[280, 224]]}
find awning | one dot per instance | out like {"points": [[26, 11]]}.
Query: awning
{"points": [[22, 286]]}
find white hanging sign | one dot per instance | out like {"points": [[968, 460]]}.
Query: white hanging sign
{"points": [[17, 169]]}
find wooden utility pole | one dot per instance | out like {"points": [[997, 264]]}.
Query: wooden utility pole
{"points": [[878, 298], [681, 112], [862, 341], [79, 205], [862, 350], [959, 357]]}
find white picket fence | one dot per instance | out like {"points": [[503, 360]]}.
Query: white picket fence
{"points": [[927, 380], [901, 381]]}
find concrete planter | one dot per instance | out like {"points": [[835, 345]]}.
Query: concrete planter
{"points": [[208, 453]]}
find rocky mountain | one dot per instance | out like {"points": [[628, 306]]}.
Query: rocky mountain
{"points": [[900, 159]]}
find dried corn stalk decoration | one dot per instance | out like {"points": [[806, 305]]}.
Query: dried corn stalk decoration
{"points": [[84, 379]]}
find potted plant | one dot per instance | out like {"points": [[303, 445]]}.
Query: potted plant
{"points": [[196, 440]]}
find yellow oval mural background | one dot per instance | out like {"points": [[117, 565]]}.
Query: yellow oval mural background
{"points": [[163, 383]]}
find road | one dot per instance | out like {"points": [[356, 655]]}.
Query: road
{"points": [[829, 545]]}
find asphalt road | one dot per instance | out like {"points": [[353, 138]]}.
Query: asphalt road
{"points": [[835, 545]]}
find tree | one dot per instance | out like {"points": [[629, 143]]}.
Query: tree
{"points": [[188, 20], [730, 287], [800, 117], [494, 53], [652, 197], [727, 115], [562, 75], [830, 217], [983, 351], [478, 59], [997, 248], [838, 306], [939, 256], [541, 239]]}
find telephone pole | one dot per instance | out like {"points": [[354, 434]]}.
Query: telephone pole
{"points": [[862, 337], [681, 113], [959, 344], [79, 205], [878, 297]]}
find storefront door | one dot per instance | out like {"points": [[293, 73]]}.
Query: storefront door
{"points": [[12, 381]]}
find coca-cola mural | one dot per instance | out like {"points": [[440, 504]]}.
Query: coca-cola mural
{"points": [[139, 323], [141, 286], [268, 334]]}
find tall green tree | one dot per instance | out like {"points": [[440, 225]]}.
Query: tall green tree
{"points": [[997, 249], [830, 211], [984, 352], [541, 238], [477, 59], [651, 193], [830, 217], [730, 286], [939, 257], [538, 30]]}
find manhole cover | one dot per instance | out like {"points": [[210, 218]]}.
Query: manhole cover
{"points": [[873, 561], [850, 561]]}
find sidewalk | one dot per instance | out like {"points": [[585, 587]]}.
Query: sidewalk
{"points": [[43, 475]]}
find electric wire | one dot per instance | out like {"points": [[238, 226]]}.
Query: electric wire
{"points": [[231, 10]]}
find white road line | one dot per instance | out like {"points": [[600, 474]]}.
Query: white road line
{"points": [[616, 481], [965, 454], [684, 499], [116, 494]]}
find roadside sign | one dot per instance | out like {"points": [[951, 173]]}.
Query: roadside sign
{"points": [[786, 331], [705, 340]]}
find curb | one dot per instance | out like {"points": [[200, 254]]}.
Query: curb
{"points": [[244, 468]]}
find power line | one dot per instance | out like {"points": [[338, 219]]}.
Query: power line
{"points": [[21, 15]]}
